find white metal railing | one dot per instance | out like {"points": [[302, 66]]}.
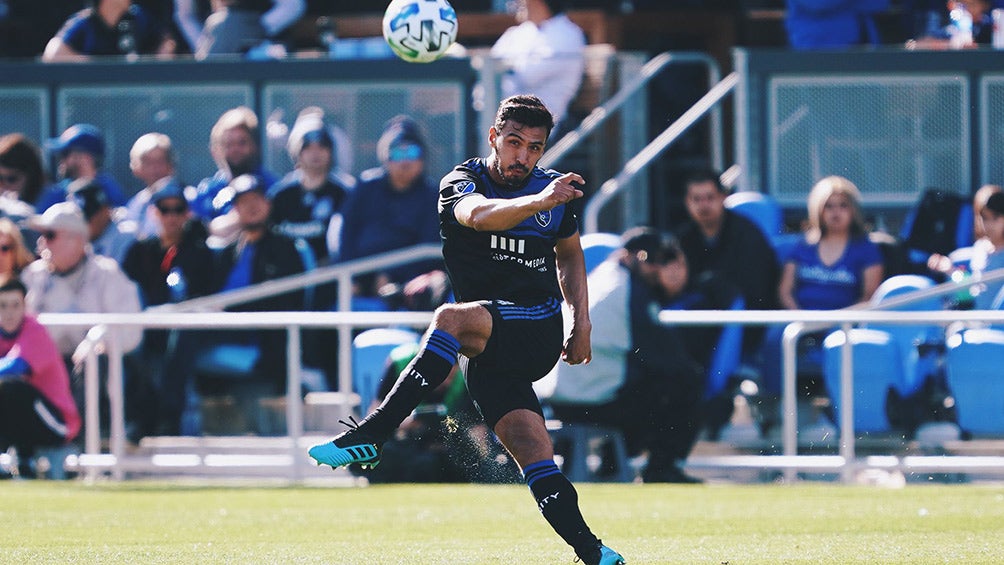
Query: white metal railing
{"points": [[341, 273]]}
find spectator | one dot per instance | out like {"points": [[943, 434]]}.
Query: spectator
{"points": [[189, 15], [989, 256], [69, 278], [14, 255], [235, 147], [110, 27], [21, 172], [835, 266], [939, 263], [108, 237], [36, 406], [306, 200], [544, 55], [938, 31], [81, 152], [721, 244], [393, 207], [151, 160], [646, 378], [259, 255], [237, 26], [173, 266], [835, 24]]}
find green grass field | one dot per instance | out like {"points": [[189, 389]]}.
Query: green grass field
{"points": [[71, 522]]}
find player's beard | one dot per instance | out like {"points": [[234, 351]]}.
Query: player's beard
{"points": [[513, 176]]}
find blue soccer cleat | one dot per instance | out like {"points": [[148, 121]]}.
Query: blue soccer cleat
{"points": [[610, 557], [352, 446]]}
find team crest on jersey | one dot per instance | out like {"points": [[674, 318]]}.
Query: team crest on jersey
{"points": [[465, 188], [543, 218]]}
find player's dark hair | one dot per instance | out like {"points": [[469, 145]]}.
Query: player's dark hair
{"points": [[525, 109], [699, 176], [13, 283]]}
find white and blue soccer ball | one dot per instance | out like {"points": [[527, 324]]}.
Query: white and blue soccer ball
{"points": [[420, 31]]}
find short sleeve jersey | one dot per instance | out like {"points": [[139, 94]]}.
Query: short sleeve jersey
{"points": [[828, 287], [517, 264]]}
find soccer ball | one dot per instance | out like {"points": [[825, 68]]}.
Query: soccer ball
{"points": [[420, 31]]}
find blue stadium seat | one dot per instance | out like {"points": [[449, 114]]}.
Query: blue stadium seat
{"points": [[370, 350], [877, 368], [907, 337], [596, 247], [974, 362], [760, 208]]}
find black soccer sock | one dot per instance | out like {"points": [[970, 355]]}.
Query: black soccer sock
{"points": [[425, 372], [559, 503]]}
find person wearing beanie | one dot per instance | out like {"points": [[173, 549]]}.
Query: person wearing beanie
{"points": [[393, 207], [305, 201]]}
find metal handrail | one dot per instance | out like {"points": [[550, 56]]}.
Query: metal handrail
{"points": [[341, 272], [639, 162], [649, 70]]}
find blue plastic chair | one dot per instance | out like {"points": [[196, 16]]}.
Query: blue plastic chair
{"points": [[908, 336], [760, 208], [596, 247], [974, 364], [877, 367], [370, 350]]}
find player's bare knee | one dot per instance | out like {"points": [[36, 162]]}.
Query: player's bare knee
{"points": [[469, 323]]}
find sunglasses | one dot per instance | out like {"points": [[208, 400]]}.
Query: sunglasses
{"points": [[179, 210], [10, 179], [49, 235]]}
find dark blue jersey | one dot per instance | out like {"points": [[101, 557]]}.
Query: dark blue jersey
{"points": [[516, 264], [86, 33]]}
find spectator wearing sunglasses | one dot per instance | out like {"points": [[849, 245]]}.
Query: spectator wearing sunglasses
{"points": [[108, 237], [170, 267], [393, 207]]}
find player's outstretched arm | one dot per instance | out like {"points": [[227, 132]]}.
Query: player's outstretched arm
{"points": [[572, 281], [497, 214]]}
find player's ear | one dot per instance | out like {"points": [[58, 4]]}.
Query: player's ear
{"points": [[492, 135]]}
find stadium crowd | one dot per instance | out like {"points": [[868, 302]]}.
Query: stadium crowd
{"points": [[82, 242]]}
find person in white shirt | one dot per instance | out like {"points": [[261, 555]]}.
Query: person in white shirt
{"points": [[545, 55]]}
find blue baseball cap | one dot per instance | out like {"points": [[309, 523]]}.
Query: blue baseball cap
{"points": [[82, 137]]}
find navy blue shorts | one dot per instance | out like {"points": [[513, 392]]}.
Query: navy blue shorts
{"points": [[525, 344]]}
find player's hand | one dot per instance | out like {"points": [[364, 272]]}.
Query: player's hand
{"points": [[577, 348], [562, 190]]}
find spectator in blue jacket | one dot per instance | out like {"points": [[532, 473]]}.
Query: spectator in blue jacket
{"points": [[110, 27], [393, 207], [833, 24], [80, 150]]}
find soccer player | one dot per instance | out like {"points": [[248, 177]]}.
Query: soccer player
{"points": [[511, 246]]}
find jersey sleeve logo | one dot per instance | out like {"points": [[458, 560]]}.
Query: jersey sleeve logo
{"points": [[543, 218], [465, 188]]}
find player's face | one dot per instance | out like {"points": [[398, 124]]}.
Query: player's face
{"points": [[11, 311], [516, 150]]}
